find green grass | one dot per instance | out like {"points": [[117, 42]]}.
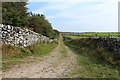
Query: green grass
{"points": [[14, 55], [95, 33], [91, 34], [90, 63], [99, 33], [74, 37], [92, 66], [89, 67], [63, 50]]}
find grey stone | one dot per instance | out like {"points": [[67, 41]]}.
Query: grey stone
{"points": [[21, 37]]}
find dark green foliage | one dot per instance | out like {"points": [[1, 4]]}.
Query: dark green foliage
{"points": [[39, 24], [14, 13], [56, 33]]}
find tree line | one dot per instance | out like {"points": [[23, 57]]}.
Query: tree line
{"points": [[16, 14]]}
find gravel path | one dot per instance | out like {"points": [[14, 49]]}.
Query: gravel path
{"points": [[57, 64]]}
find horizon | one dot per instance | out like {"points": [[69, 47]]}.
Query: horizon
{"points": [[85, 32], [79, 15]]}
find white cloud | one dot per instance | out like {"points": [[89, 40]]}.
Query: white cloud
{"points": [[55, 6], [69, 0], [49, 17], [99, 16]]}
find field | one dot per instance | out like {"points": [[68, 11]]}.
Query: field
{"points": [[74, 35], [99, 33], [94, 33]]}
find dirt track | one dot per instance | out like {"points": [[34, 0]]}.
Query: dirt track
{"points": [[57, 64]]}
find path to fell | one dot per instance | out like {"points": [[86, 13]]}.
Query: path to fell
{"points": [[57, 64]]}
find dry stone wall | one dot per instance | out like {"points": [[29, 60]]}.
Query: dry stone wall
{"points": [[108, 43], [20, 37], [111, 44]]}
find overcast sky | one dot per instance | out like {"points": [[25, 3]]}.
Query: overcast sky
{"points": [[79, 15]]}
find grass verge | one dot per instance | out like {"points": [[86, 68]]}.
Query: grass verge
{"points": [[63, 50], [90, 63], [12, 55]]}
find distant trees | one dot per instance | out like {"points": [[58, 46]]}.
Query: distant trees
{"points": [[15, 13]]}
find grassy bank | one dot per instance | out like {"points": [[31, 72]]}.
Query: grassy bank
{"points": [[13, 55], [91, 63]]}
